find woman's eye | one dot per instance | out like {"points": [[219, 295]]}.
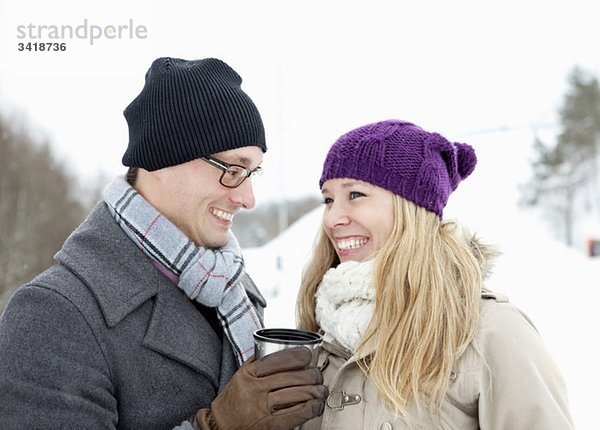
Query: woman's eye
{"points": [[327, 200], [355, 194]]}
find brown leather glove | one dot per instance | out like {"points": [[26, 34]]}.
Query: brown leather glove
{"points": [[277, 392]]}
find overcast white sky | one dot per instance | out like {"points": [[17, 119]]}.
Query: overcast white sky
{"points": [[314, 68]]}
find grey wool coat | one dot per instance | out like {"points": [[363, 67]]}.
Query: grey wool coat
{"points": [[103, 340]]}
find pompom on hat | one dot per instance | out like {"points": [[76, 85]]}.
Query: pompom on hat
{"points": [[189, 109], [420, 166]]}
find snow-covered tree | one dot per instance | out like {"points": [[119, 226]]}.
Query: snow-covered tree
{"points": [[565, 181], [38, 207]]}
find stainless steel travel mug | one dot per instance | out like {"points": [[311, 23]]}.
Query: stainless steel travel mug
{"points": [[269, 340]]}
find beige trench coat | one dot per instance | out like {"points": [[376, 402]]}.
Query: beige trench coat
{"points": [[505, 380]]}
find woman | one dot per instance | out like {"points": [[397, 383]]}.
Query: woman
{"points": [[412, 339]]}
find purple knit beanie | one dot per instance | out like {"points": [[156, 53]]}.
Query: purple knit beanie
{"points": [[403, 158]]}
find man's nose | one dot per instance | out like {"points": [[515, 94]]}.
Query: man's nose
{"points": [[243, 195]]}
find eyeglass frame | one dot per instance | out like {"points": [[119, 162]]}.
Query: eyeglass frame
{"points": [[224, 166]]}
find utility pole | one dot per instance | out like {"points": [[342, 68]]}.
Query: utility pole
{"points": [[283, 209]]}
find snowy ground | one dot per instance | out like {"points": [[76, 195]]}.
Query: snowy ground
{"points": [[556, 286]]}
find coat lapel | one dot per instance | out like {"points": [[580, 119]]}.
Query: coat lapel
{"points": [[122, 278], [179, 331]]}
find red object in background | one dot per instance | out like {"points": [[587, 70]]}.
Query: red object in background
{"points": [[594, 247]]}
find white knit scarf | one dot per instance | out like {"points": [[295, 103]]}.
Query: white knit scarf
{"points": [[345, 300], [212, 277]]}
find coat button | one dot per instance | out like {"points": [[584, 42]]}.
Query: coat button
{"points": [[385, 426]]}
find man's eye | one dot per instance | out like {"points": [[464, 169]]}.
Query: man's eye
{"points": [[234, 173], [327, 200], [355, 194]]}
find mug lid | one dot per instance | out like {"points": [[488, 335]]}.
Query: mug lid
{"points": [[287, 336]]}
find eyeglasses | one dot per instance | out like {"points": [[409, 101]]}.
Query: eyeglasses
{"points": [[233, 174]]}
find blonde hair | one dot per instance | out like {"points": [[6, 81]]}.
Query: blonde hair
{"points": [[427, 284]]}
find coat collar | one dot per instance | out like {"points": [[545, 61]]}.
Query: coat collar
{"points": [[116, 271], [121, 278]]}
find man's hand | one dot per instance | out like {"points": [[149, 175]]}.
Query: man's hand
{"points": [[277, 392]]}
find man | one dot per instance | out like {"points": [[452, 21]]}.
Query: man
{"points": [[146, 320]]}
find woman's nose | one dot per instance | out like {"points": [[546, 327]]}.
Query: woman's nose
{"points": [[336, 216]]}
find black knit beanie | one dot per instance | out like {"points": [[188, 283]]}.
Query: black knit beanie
{"points": [[189, 109]]}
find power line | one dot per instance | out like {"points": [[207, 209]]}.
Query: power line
{"points": [[506, 128]]}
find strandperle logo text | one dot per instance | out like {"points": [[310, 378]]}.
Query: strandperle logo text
{"points": [[84, 30]]}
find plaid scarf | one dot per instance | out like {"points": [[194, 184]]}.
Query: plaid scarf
{"points": [[211, 277]]}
